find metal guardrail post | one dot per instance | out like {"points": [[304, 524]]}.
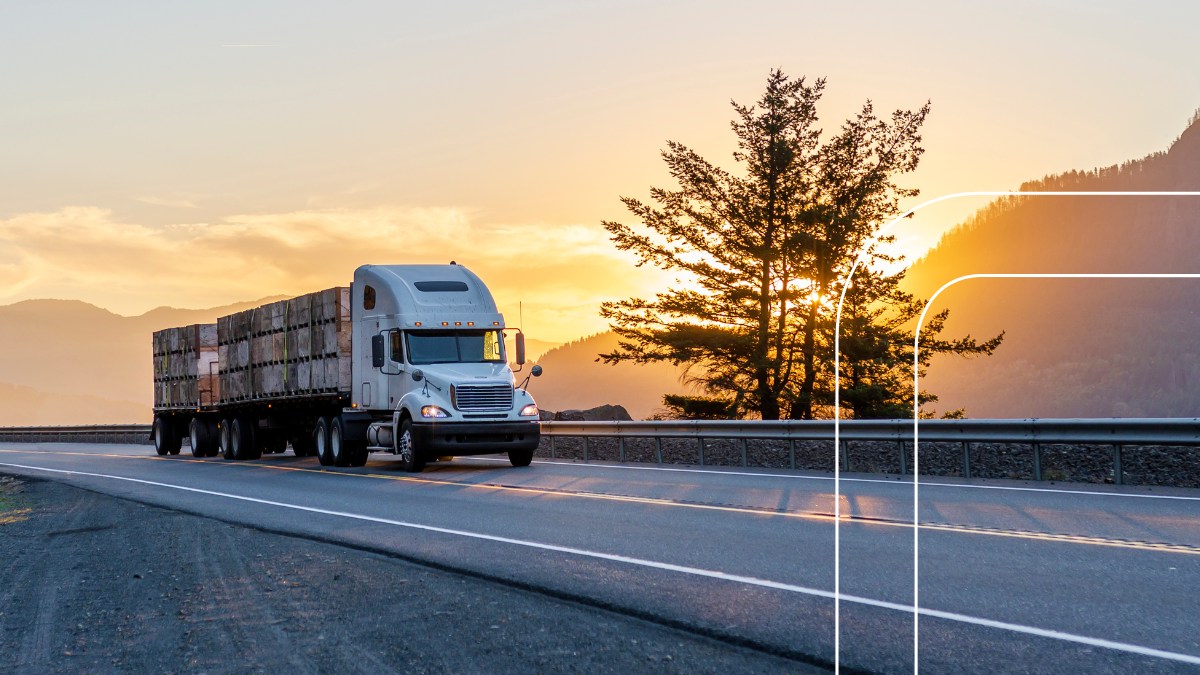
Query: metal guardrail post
{"points": [[966, 448], [701, 451], [1118, 472], [745, 452], [658, 448], [792, 453], [552, 455], [1037, 461], [903, 463], [586, 446], [621, 448]]}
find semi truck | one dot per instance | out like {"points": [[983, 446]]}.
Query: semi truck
{"points": [[408, 359]]}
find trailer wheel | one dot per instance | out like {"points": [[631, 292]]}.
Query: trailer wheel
{"points": [[200, 437], [406, 447], [520, 457], [225, 434], [214, 440], [166, 438], [249, 448], [321, 441], [303, 445]]}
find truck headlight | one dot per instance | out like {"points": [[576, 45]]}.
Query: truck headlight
{"points": [[530, 410], [433, 411]]}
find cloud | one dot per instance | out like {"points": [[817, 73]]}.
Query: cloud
{"points": [[561, 272], [172, 203]]}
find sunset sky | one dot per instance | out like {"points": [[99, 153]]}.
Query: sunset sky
{"points": [[197, 154]]}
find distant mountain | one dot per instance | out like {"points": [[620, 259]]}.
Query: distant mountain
{"points": [[534, 349], [96, 363], [1086, 348], [573, 379]]}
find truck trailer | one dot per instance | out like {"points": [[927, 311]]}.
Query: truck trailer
{"points": [[408, 359]]}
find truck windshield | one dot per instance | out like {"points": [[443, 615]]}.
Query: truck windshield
{"points": [[455, 346]]}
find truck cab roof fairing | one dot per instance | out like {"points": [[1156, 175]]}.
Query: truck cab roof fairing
{"points": [[426, 293]]}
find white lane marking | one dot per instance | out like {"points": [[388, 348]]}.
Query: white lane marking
{"points": [[905, 482], [669, 567]]}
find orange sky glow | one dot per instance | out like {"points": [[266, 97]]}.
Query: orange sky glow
{"points": [[197, 155]]}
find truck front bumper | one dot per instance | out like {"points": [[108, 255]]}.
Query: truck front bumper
{"points": [[476, 438]]}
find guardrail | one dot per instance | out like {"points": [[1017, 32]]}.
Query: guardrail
{"points": [[972, 444], [104, 433], [1036, 434]]}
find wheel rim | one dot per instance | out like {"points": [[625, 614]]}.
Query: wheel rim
{"points": [[235, 440], [404, 445], [193, 441], [335, 443], [159, 441], [320, 439]]}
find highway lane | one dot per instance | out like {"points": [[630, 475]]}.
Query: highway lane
{"points": [[746, 556]]}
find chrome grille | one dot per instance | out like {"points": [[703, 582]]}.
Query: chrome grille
{"points": [[483, 397]]}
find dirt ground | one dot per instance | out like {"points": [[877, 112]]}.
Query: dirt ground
{"points": [[92, 583]]}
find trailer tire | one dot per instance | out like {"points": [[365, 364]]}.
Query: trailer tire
{"points": [[166, 437], [303, 445], [251, 449], [241, 436], [406, 447], [214, 441], [225, 436], [520, 457], [321, 441], [200, 438]]}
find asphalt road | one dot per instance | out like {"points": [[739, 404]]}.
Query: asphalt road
{"points": [[1013, 577]]}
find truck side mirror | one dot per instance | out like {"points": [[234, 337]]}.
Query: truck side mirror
{"points": [[536, 372], [520, 349], [377, 350], [417, 375]]}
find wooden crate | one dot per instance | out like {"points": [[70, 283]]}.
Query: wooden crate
{"points": [[182, 357], [293, 347]]}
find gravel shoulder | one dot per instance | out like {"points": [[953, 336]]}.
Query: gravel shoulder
{"points": [[93, 583]]}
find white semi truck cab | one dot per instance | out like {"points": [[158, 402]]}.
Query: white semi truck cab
{"points": [[410, 359], [431, 369]]}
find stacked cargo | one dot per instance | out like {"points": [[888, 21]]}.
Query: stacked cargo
{"points": [[295, 347], [185, 367]]}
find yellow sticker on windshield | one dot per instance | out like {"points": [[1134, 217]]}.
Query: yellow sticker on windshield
{"points": [[491, 346]]}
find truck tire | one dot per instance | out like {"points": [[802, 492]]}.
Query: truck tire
{"points": [[166, 437], [270, 441], [406, 446], [338, 450], [520, 457], [321, 441], [199, 437], [241, 439], [214, 438], [245, 428], [226, 438], [303, 445]]}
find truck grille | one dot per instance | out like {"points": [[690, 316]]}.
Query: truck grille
{"points": [[483, 396]]}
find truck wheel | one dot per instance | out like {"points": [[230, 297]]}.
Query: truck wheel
{"points": [[321, 441], [338, 451], [199, 437], [225, 435], [302, 445], [246, 427], [241, 439], [406, 447], [520, 457], [214, 441], [166, 438]]}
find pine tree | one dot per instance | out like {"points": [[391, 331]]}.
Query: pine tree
{"points": [[761, 254]]}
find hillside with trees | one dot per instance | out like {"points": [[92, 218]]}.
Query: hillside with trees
{"points": [[1079, 347]]}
